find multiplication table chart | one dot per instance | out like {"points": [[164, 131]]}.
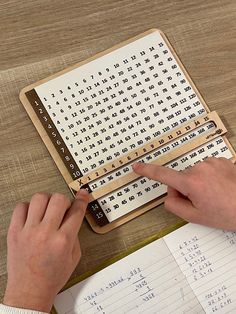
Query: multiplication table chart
{"points": [[111, 105]]}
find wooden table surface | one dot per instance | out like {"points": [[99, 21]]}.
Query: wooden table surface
{"points": [[38, 38]]}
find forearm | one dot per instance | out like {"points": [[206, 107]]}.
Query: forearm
{"points": [[4, 309]]}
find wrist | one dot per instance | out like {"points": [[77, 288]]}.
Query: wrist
{"points": [[29, 301]]}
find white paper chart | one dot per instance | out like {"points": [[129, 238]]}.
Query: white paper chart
{"points": [[105, 108], [191, 270]]}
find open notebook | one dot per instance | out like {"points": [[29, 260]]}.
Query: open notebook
{"points": [[191, 270], [134, 101]]}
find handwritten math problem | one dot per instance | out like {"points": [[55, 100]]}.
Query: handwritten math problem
{"points": [[191, 270], [147, 281], [207, 258]]}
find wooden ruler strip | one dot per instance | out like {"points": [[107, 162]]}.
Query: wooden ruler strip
{"points": [[147, 148]]}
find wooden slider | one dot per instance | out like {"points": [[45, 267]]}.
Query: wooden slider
{"points": [[145, 149]]}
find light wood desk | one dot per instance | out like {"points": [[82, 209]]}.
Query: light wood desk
{"points": [[38, 38]]}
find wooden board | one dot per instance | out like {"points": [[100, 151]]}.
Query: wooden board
{"points": [[54, 152]]}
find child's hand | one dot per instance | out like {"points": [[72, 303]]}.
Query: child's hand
{"points": [[43, 249], [204, 194]]}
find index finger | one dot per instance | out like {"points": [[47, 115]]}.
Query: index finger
{"points": [[74, 216], [168, 176]]}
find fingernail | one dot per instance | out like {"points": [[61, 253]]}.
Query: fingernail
{"points": [[136, 165], [82, 192]]}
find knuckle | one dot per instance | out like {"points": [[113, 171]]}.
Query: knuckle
{"points": [[214, 161], [195, 219], [12, 234], [168, 204], [81, 205], [211, 159], [63, 241], [190, 180], [41, 195], [203, 164], [225, 161], [61, 198], [42, 235], [21, 205], [200, 168], [155, 171], [193, 180], [197, 183], [79, 254], [77, 250]]}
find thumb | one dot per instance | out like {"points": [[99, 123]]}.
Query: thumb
{"points": [[74, 216], [183, 208]]}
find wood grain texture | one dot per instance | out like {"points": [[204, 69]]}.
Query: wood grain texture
{"points": [[39, 38]]}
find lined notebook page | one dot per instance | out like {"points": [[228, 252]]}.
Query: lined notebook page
{"points": [[207, 258], [147, 281], [191, 270]]}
